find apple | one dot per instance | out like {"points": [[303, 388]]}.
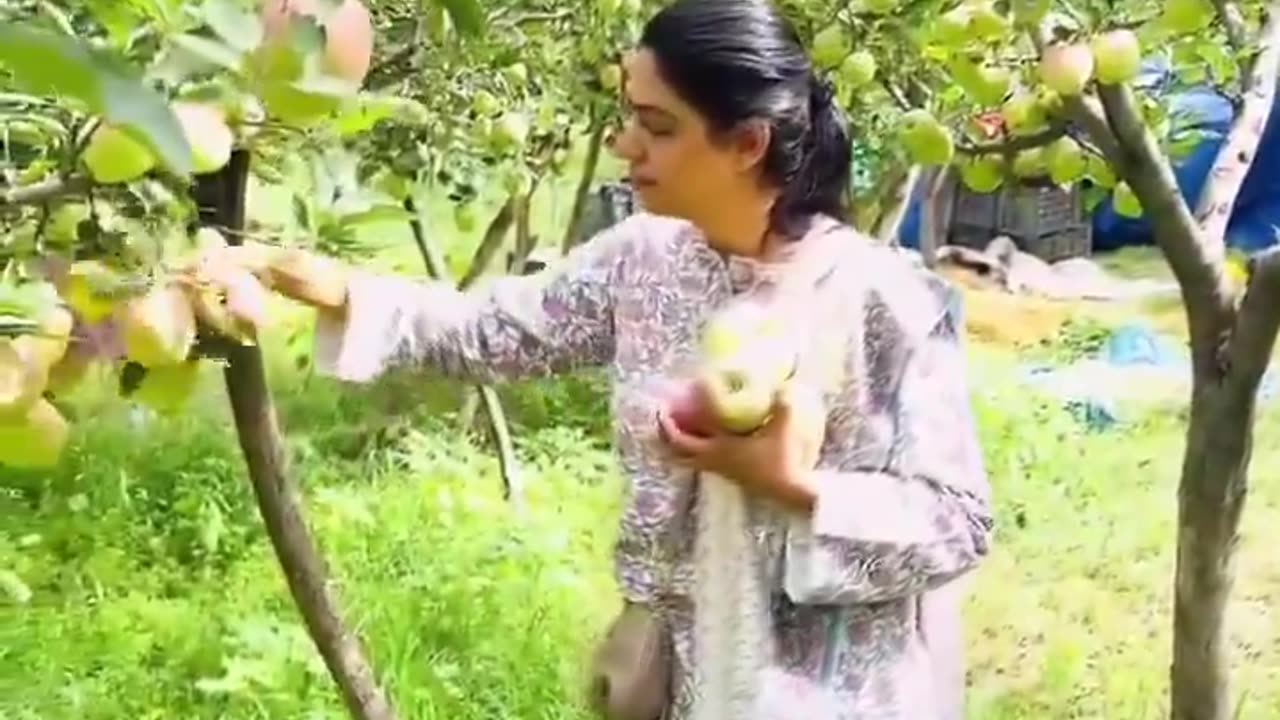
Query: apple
{"points": [[159, 328], [1187, 16], [858, 69], [830, 45], [928, 141], [49, 343], [611, 77], [1100, 172], [689, 407], [952, 27], [991, 85], [740, 395], [1029, 163], [1065, 160], [36, 439], [1023, 114], [983, 174], [167, 389], [1066, 68], [112, 156], [510, 132], [348, 48], [22, 380], [1117, 56], [985, 22], [1125, 201], [206, 129], [88, 290]]}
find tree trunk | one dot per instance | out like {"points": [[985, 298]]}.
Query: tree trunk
{"points": [[1211, 497], [221, 199]]}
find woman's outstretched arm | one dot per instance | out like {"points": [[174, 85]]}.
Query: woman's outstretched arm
{"points": [[507, 328]]}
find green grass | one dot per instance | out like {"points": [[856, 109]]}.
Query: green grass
{"points": [[154, 593]]}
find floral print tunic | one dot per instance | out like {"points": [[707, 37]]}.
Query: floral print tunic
{"points": [[864, 604]]}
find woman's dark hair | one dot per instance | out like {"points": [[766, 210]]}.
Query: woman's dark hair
{"points": [[739, 60]]}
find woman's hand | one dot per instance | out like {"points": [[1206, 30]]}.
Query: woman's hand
{"points": [[299, 275], [774, 461]]}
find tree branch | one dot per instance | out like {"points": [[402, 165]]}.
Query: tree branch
{"points": [[43, 192], [1089, 115], [1218, 198], [1233, 21], [1015, 144], [508, 468], [1197, 261], [1257, 323]]}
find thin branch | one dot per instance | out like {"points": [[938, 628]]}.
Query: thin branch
{"points": [[1086, 112], [43, 192], [1015, 144], [1218, 198], [508, 467], [494, 236], [1233, 21], [1257, 322], [897, 95]]}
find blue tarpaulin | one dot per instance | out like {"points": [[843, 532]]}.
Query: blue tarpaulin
{"points": [[1257, 210]]}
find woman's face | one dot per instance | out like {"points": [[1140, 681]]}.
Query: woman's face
{"points": [[675, 168]]}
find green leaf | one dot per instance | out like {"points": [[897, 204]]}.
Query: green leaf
{"points": [[209, 51], [232, 23], [467, 15], [46, 63]]}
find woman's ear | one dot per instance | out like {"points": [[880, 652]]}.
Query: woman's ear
{"points": [[749, 142]]}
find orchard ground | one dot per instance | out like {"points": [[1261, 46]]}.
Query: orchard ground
{"points": [[153, 592]]}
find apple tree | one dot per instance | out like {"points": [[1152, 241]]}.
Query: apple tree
{"points": [[128, 131], [1050, 89]]}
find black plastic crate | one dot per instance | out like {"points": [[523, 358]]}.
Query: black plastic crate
{"points": [[1043, 219]]}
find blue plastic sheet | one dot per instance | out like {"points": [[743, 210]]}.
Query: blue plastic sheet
{"points": [[1135, 372]]}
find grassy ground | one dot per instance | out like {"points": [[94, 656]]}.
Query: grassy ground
{"points": [[155, 595]]}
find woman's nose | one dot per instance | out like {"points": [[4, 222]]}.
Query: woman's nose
{"points": [[624, 144]]}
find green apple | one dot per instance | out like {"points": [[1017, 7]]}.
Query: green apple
{"points": [[983, 174], [112, 156], [830, 46], [36, 440], [1065, 160], [1023, 114], [1117, 56], [1125, 202], [928, 141], [741, 396], [858, 69]]}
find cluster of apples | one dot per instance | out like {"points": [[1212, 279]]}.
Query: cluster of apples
{"points": [[113, 156], [156, 325], [32, 431], [1065, 70]]}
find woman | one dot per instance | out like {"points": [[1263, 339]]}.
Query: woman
{"points": [[741, 159]]}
